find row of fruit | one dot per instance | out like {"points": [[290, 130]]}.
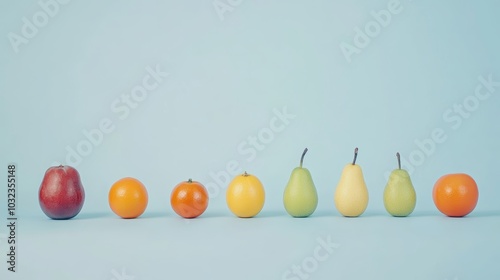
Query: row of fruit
{"points": [[61, 194]]}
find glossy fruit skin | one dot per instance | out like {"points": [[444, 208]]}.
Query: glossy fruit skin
{"points": [[455, 195], [61, 194], [189, 199], [245, 196], [128, 198]]}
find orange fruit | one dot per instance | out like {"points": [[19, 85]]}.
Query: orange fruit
{"points": [[128, 198], [455, 195], [189, 199], [245, 196]]}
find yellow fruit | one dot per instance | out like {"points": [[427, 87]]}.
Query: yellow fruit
{"points": [[351, 195], [245, 196]]}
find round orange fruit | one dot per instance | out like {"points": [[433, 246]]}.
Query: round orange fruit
{"points": [[128, 198], [455, 195], [189, 199], [245, 195]]}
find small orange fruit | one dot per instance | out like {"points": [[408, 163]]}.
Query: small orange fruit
{"points": [[245, 196], [128, 198], [189, 199], [455, 195]]}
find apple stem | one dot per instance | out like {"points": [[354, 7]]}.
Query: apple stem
{"points": [[302, 157], [399, 160], [190, 180], [355, 156], [245, 174]]}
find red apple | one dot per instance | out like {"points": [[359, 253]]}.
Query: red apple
{"points": [[61, 193]]}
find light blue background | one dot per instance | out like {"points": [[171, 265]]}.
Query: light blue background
{"points": [[226, 77]]}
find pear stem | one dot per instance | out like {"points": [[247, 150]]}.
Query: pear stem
{"points": [[399, 160], [302, 158], [190, 180], [355, 156]]}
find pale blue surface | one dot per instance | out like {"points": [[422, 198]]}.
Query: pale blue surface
{"points": [[227, 76]]}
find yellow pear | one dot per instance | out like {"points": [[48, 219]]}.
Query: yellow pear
{"points": [[351, 194]]}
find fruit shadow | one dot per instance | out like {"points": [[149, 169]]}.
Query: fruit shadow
{"points": [[271, 214], [419, 214], [335, 214], [228, 214], [154, 215], [215, 214], [475, 214], [172, 215], [92, 215], [324, 214], [483, 214]]}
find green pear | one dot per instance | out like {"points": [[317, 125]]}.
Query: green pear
{"points": [[351, 194], [399, 194], [300, 197]]}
